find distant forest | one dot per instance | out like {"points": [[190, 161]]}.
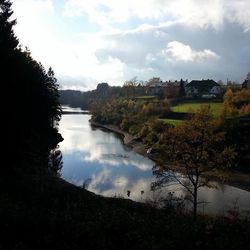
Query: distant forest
{"points": [[133, 88], [103, 91]]}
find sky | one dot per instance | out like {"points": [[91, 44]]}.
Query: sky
{"points": [[91, 41]]}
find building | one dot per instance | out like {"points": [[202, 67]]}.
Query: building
{"points": [[203, 88], [170, 89]]}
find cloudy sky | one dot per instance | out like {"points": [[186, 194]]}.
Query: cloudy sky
{"points": [[91, 41]]}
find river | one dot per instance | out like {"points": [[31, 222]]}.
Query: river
{"points": [[99, 160]]}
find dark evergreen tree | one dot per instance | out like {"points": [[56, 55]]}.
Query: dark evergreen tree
{"points": [[8, 40], [32, 111], [182, 91]]}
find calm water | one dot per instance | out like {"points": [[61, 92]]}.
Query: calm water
{"points": [[99, 160]]}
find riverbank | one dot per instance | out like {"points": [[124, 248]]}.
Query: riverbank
{"points": [[128, 139], [235, 178]]}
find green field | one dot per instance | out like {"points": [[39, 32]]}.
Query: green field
{"points": [[146, 97], [192, 107], [172, 121]]}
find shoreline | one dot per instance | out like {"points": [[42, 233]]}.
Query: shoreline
{"points": [[128, 139], [237, 179]]}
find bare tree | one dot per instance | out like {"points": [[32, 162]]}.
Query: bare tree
{"points": [[152, 81], [195, 149], [130, 86]]}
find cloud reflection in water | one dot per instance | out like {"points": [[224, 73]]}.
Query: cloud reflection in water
{"points": [[112, 169]]}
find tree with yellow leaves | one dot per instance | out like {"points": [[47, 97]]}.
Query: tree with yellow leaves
{"points": [[194, 149]]}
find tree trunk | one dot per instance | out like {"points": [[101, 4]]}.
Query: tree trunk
{"points": [[195, 202]]}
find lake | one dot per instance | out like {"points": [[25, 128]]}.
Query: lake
{"points": [[99, 161]]}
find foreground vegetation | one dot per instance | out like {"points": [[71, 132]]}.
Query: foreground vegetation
{"points": [[46, 213]]}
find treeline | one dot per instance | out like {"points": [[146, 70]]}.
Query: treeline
{"points": [[235, 118], [103, 92], [236, 103]]}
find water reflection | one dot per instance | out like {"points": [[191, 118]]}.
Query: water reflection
{"points": [[100, 157], [99, 160]]}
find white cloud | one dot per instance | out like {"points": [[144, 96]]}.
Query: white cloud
{"points": [[113, 9], [77, 82], [203, 14], [32, 22], [177, 51], [39, 29], [36, 29], [238, 11]]}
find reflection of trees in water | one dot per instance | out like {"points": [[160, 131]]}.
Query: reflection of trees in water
{"points": [[55, 160], [86, 183]]}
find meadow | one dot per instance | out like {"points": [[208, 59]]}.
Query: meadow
{"points": [[216, 107]]}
